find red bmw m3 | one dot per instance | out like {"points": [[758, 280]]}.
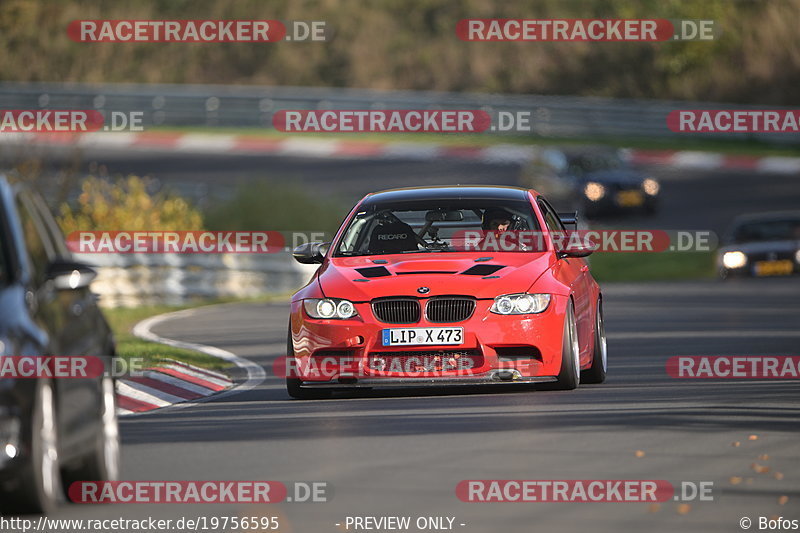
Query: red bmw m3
{"points": [[445, 286]]}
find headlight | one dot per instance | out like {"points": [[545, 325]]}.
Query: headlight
{"points": [[734, 259], [520, 304], [333, 308], [651, 186], [594, 191]]}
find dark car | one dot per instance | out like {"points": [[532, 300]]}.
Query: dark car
{"points": [[607, 185], [595, 180], [762, 244], [52, 431]]}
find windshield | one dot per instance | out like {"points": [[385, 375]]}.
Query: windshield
{"points": [[769, 230], [430, 226]]}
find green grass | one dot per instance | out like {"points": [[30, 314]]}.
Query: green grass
{"points": [[610, 266], [129, 347], [732, 146]]}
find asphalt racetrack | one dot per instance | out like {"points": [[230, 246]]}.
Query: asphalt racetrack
{"points": [[402, 452]]}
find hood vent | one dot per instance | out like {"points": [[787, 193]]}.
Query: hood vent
{"points": [[482, 270], [374, 272]]}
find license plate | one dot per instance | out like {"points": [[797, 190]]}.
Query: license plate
{"points": [[422, 336], [630, 198], [774, 268]]}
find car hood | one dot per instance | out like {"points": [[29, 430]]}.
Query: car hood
{"points": [[361, 279]]}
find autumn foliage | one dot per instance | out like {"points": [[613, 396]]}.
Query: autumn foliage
{"points": [[127, 205]]}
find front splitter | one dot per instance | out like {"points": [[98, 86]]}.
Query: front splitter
{"points": [[423, 382]]}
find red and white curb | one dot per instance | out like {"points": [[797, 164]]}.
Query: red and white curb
{"points": [[179, 384], [167, 385], [342, 148], [711, 161]]}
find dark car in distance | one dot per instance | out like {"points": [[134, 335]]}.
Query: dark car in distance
{"points": [[607, 185], [52, 431], [597, 181], [760, 245]]}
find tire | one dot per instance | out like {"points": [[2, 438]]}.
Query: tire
{"points": [[293, 385], [597, 372], [39, 487], [569, 376], [102, 462]]}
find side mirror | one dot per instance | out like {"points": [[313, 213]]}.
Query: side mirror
{"points": [[310, 252], [575, 251], [69, 275]]}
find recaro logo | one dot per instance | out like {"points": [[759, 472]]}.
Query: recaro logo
{"points": [[392, 236]]}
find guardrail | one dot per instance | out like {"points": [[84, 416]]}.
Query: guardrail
{"points": [[129, 280], [253, 106]]}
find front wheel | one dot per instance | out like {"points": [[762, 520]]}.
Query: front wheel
{"points": [[101, 463], [597, 372], [570, 374], [38, 488], [294, 385]]}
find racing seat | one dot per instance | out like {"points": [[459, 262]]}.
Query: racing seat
{"points": [[393, 237]]}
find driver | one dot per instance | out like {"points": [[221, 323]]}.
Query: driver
{"points": [[498, 220], [495, 222]]}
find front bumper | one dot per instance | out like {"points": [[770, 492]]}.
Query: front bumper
{"points": [[491, 379], [499, 349], [775, 264]]}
